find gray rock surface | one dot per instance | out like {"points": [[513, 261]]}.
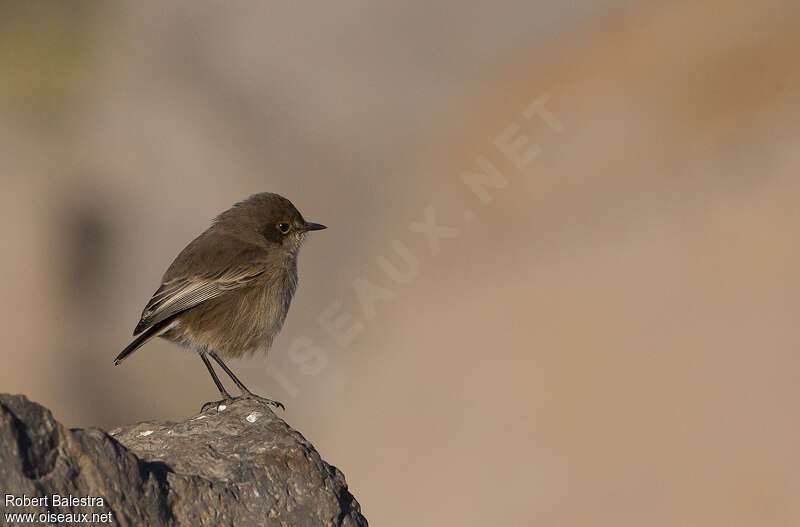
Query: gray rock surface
{"points": [[238, 465]]}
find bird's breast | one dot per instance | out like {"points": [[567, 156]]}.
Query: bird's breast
{"points": [[242, 321]]}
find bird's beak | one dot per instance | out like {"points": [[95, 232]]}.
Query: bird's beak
{"points": [[312, 227]]}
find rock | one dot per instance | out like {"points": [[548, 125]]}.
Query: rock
{"points": [[239, 465]]}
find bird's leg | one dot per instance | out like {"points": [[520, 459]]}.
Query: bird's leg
{"points": [[247, 394], [226, 397]]}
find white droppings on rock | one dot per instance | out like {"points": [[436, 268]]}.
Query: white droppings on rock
{"points": [[221, 408], [253, 417], [145, 433], [199, 417], [255, 491]]}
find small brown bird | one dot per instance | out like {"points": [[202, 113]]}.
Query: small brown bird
{"points": [[228, 291]]}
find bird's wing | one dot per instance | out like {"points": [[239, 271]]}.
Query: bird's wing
{"points": [[181, 294]]}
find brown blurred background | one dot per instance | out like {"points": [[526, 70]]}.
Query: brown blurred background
{"points": [[607, 338]]}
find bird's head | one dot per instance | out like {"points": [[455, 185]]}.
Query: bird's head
{"points": [[270, 217]]}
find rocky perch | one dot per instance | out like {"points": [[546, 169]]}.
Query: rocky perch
{"points": [[238, 465]]}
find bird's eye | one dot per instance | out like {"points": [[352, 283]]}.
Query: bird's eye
{"points": [[283, 227]]}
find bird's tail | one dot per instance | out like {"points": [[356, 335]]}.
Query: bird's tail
{"points": [[152, 331]]}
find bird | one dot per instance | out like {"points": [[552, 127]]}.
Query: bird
{"points": [[227, 293]]}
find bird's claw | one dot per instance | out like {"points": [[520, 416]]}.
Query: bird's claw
{"points": [[276, 404], [216, 404]]}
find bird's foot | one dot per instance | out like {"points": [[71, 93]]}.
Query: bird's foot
{"points": [[250, 395], [217, 404], [220, 405]]}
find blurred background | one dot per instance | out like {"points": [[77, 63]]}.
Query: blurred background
{"points": [[600, 330]]}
